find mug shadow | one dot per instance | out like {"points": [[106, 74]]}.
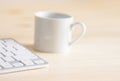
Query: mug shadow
{"points": [[31, 48]]}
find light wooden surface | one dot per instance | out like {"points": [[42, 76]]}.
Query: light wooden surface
{"points": [[96, 57]]}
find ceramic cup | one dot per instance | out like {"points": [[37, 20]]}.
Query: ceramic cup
{"points": [[53, 31]]}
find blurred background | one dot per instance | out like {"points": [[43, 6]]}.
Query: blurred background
{"points": [[102, 17]]}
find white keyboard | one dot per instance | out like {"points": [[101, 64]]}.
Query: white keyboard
{"points": [[15, 57]]}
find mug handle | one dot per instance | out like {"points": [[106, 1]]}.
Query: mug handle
{"points": [[82, 33]]}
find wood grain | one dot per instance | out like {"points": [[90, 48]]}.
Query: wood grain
{"points": [[96, 57]]}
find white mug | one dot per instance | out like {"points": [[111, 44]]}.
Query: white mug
{"points": [[53, 32]]}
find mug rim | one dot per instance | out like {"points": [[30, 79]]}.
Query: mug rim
{"points": [[46, 14]]}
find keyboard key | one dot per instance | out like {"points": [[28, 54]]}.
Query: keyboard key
{"points": [[1, 60], [1, 55], [17, 64], [25, 55], [9, 59], [6, 65], [19, 57], [27, 62], [9, 54], [38, 61], [14, 48], [2, 50]]}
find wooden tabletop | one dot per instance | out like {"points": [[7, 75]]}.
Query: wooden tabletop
{"points": [[96, 57]]}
